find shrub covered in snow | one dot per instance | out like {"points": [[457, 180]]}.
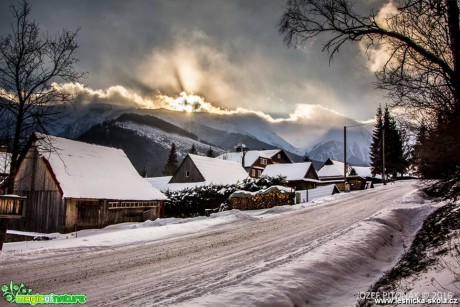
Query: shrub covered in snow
{"points": [[193, 201]]}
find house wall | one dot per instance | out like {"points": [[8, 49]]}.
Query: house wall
{"points": [[45, 211], [100, 213], [257, 166], [283, 158], [194, 174], [311, 173]]}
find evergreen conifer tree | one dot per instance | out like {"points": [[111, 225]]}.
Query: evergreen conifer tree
{"points": [[395, 160], [210, 152], [306, 157], [376, 145], [193, 150], [172, 164]]}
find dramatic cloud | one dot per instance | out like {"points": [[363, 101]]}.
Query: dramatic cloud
{"points": [[228, 52], [378, 55], [312, 114]]}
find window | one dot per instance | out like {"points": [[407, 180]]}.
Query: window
{"points": [[187, 173], [263, 161], [253, 173], [128, 204], [279, 156], [259, 172]]}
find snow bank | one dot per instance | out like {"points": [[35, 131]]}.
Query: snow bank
{"points": [[121, 234]]}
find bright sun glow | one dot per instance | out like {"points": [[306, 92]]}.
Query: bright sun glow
{"points": [[188, 103]]}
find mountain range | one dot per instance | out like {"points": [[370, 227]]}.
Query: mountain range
{"points": [[146, 135]]}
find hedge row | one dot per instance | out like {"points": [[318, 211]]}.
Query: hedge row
{"points": [[193, 201]]}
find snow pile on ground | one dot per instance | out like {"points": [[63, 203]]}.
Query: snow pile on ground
{"points": [[122, 234], [430, 270], [130, 233]]}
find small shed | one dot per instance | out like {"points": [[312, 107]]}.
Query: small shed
{"points": [[366, 172], [300, 176], [72, 184], [333, 171]]}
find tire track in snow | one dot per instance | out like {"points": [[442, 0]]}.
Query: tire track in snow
{"points": [[175, 270]]}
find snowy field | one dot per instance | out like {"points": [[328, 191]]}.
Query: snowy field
{"points": [[314, 254]]}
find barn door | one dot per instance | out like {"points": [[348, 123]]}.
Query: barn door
{"points": [[88, 214]]}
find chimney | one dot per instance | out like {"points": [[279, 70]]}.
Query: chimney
{"points": [[241, 148]]}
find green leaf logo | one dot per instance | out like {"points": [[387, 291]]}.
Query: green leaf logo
{"points": [[12, 290]]}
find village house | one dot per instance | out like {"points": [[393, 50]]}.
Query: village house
{"points": [[332, 172], [255, 161], [366, 172], [73, 185], [300, 176], [198, 170]]}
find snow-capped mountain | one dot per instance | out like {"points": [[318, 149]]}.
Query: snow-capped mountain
{"points": [[222, 131], [245, 124], [358, 144]]}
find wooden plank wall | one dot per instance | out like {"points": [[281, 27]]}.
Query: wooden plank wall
{"points": [[180, 175], [45, 211]]}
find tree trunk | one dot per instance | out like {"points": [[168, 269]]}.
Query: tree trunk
{"points": [[3, 228], [454, 32], [13, 168]]}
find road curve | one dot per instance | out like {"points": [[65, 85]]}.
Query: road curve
{"points": [[175, 270]]}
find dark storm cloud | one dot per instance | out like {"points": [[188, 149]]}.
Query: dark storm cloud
{"points": [[228, 51]]}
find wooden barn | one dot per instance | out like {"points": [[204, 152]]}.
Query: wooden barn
{"points": [[201, 170], [255, 161], [300, 176], [70, 184]]}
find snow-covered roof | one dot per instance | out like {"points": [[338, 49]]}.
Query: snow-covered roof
{"points": [[332, 168], [218, 171], [250, 157], [292, 171], [5, 159], [160, 183], [85, 170], [364, 171]]}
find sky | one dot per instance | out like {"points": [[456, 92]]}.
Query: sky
{"points": [[227, 51]]}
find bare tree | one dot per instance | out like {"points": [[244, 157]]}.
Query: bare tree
{"points": [[422, 38], [422, 72], [30, 63]]}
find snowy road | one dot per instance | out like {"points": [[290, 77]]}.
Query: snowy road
{"points": [[188, 269]]}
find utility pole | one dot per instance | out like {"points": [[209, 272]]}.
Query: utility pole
{"points": [[345, 152]]}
